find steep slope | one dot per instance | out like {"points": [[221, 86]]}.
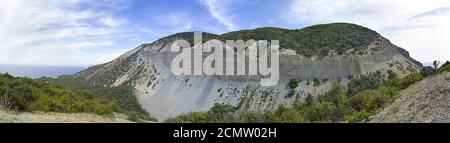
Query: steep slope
{"points": [[424, 102], [322, 53]]}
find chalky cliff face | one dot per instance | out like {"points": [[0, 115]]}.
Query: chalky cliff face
{"points": [[316, 56]]}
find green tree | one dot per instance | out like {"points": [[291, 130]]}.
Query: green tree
{"points": [[316, 82], [336, 95], [436, 64], [293, 83]]}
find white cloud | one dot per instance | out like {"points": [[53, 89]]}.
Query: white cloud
{"points": [[426, 36], [419, 26], [111, 21], [177, 21], [164, 24], [49, 32], [218, 9]]}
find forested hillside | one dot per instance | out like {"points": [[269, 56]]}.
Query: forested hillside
{"points": [[27, 95]]}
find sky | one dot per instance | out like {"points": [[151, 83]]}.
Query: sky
{"points": [[89, 32]]}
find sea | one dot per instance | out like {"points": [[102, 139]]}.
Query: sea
{"points": [[32, 71]]}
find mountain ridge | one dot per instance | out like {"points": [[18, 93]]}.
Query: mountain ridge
{"points": [[333, 52], [302, 40]]}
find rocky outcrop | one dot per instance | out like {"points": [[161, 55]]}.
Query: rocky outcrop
{"points": [[164, 95], [424, 102]]}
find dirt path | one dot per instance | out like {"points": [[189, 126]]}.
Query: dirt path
{"points": [[40, 117]]}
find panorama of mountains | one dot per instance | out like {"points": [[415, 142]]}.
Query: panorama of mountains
{"points": [[314, 58]]}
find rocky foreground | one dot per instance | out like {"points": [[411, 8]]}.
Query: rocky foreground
{"points": [[424, 102], [40, 117]]}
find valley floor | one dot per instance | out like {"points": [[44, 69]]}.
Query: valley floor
{"points": [[41, 117]]}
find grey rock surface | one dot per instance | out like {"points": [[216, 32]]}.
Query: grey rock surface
{"points": [[425, 102]]}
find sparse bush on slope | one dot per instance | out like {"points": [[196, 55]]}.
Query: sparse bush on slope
{"points": [[293, 83]]}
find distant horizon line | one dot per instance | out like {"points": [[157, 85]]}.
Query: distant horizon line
{"points": [[25, 65]]}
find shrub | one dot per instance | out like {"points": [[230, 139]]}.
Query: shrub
{"points": [[334, 95], [27, 95], [133, 117], [309, 100], [410, 79], [391, 74], [285, 116], [193, 117], [222, 109], [427, 71], [293, 83], [445, 67], [365, 82], [219, 113], [372, 100], [291, 94], [358, 116], [250, 117], [316, 82], [320, 112], [139, 117]]}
